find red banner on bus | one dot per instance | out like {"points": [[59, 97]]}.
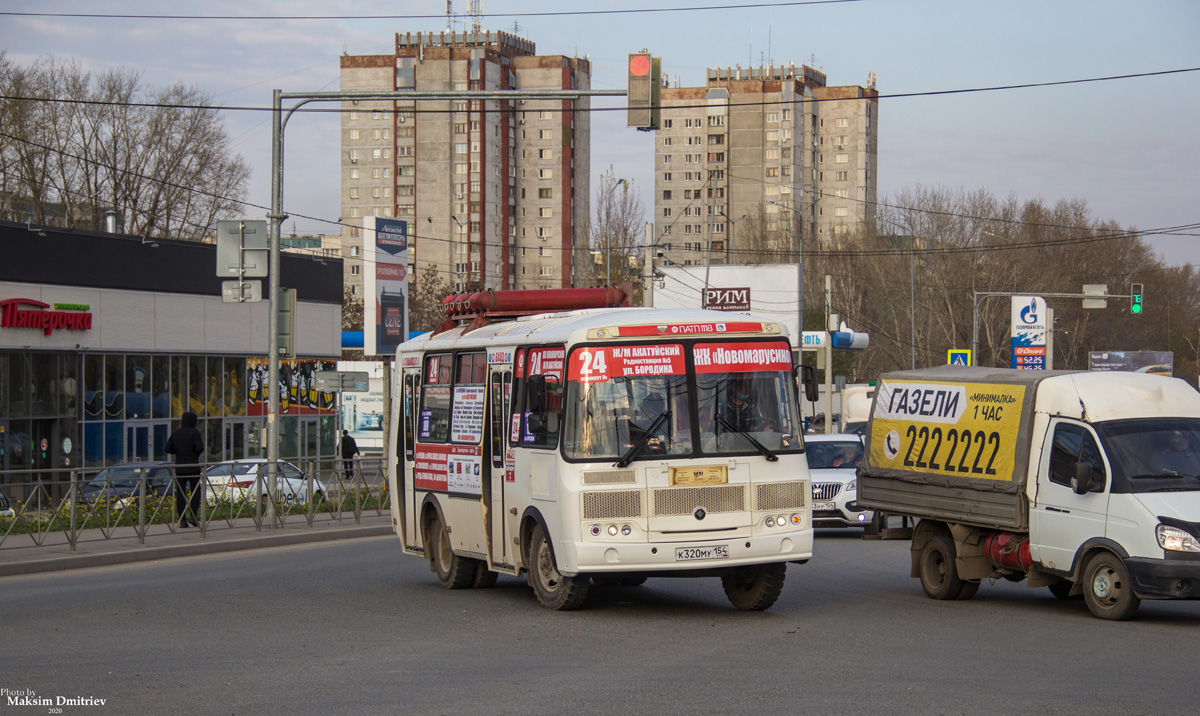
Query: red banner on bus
{"points": [[742, 357], [596, 364], [689, 329]]}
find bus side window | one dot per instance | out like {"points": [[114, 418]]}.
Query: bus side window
{"points": [[496, 423]]}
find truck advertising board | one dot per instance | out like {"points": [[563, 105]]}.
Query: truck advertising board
{"points": [[953, 429]]}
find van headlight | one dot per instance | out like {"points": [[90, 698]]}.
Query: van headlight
{"points": [[1176, 540]]}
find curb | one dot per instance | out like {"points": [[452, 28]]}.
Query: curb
{"points": [[216, 546]]}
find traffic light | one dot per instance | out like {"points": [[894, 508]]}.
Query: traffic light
{"points": [[1135, 303], [644, 90]]}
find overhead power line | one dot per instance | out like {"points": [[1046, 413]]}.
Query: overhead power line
{"points": [[621, 108], [439, 16]]}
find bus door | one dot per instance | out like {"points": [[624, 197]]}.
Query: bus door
{"points": [[499, 460], [411, 380]]}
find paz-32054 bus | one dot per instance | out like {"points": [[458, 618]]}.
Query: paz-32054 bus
{"points": [[601, 446]]}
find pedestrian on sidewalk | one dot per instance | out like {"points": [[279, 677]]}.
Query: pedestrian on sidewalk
{"points": [[349, 450], [187, 445]]}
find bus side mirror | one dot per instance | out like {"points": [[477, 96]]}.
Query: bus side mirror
{"points": [[535, 390], [808, 378]]}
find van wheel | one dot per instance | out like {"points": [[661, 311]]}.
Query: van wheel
{"points": [[939, 577], [453, 572], [1108, 590], [756, 587], [967, 590], [553, 589]]}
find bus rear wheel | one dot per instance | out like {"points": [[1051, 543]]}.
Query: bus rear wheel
{"points": [[756, 587], [553, 589], [453, 571]]}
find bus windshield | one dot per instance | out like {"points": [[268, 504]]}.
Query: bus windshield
{"points": [[741, 401]]}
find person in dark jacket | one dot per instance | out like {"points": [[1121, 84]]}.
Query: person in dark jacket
{"points": [[349, 450], [187, 445]]}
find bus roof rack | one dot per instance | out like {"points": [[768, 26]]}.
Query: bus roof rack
{"points": [[484, 307]]}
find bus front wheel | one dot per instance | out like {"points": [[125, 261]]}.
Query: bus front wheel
{"points": [[755, 587], [553, 589]]}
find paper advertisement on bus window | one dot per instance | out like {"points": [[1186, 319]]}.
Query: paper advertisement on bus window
{"points": [[448, 468]]}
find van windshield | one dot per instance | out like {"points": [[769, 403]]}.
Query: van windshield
{"points": [[1153, 455]]}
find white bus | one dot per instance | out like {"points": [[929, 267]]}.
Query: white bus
{"points": [[604, 446]]}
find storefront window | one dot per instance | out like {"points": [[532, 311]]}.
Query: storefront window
{"points": [[289, 441], [18, 384], [68, 385], [93, 445], [114, 443], [196, 386], [114, 387], [43, 381], [179, 383], [93, 387], [214, 389], [137, 387], [235, 387], [160, 388], [211, 430]]}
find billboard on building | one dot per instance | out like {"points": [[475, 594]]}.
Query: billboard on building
{"points": [[385, 285], [1156, 362], [767, 291]]}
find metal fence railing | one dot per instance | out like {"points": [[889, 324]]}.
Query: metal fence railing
{"points": [[142, 500]]}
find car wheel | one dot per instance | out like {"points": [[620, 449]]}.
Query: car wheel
{"points": [[553, 589], [939, 577], [1107, 588], [453, 571], [755, 587]]}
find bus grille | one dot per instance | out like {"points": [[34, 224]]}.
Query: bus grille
{"points": [[609, 477], [685, 500], [780, 496], [826, 490], [612, 504]]}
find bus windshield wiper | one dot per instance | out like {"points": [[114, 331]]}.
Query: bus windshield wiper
{"points": [[632, 452], [759, 446]]}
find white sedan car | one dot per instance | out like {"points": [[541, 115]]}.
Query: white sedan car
{"points": [[238, 480], [833, 462]]}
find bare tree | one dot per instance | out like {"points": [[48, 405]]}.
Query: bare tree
{"points": [[612, 246], [74, 145]]}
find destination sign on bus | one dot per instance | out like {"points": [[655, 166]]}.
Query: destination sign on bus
{"points": [[742, 357], [597, 364]]}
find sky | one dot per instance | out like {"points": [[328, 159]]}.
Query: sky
{"points": [[1128, 147]]}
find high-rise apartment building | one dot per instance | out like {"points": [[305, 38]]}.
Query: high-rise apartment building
{"points": [[495, 192], [758, 158]]}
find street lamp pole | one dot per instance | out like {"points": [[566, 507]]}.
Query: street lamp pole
{"points": [[732, 241], [459, 246]]}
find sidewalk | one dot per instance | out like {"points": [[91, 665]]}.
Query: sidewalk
{"points": [[20, 555]]}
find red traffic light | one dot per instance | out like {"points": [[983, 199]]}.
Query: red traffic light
{"points": [[639, 65]]}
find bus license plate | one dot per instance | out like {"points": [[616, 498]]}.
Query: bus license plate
{"points": [[717, 551], [824, 506]]}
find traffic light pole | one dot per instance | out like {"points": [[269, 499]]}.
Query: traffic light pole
{"points": [[977, 295]]}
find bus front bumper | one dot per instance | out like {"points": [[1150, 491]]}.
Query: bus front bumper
{"points": [[692, 555]]}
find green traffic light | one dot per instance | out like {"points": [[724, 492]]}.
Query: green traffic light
{"points": [[1136, 308]]}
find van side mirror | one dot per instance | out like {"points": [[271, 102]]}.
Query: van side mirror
{"points": [[1081, 484], [808, 378], [535, 390]]}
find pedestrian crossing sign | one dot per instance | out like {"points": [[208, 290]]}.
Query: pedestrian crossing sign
{"points": [[958, 356]]}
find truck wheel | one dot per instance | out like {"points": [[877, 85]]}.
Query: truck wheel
{"points": [[553, 590], [453, 572], [939, 577], [756, 587], [1108, 590], [967, 590]]}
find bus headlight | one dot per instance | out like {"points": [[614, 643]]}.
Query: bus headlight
{"points": [[612, 530], [626, 530], [1176, 540], [770, 522]]}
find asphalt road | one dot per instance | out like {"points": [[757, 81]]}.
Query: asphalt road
{"points": [[355, 627]]}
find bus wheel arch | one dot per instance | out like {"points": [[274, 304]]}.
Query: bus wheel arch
{"points": [[453, 571]]}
